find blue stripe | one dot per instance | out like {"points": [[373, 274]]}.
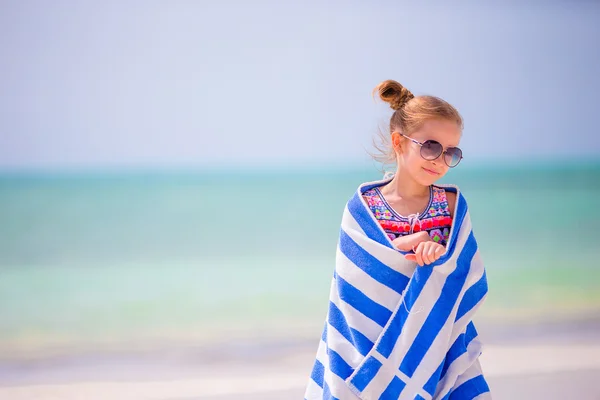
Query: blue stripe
{"points": [[394, 389], [317, 373], [337, 364], [432, 383], [470, 333], [362, 302], [441, 310], [391, 334], [361, 342], [371, 265], [367, 223], [324, 335], [370, 186], [338, 321], [472, 296], [419, 397], [459, 347], [470, 389], [458, 219], [366, 373]]}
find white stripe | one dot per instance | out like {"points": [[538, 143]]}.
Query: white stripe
{"points": [[458, 367], [473, 371], [446, 336], [343, 347], [412, 389], [358, 278], [350, 223], [357, 320], [323, 357], [476, 265], [424, 304], [466, 318], [337, 386], [390, 257], [381, 380], [313, 391]]}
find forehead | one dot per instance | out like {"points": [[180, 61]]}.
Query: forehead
{"points": [[444, 131]]}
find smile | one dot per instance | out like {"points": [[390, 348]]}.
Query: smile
{"points": [[430, 171]]}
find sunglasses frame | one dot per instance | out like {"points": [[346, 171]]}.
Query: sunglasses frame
{"points": [[441, 154]]}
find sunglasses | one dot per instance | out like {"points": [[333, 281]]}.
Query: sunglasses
{"points": [[431, 150]]}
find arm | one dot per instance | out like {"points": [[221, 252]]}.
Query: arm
{"points": [[409, 242], [425, 250]]}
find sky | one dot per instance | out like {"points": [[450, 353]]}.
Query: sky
{"points": [[266, 83]]}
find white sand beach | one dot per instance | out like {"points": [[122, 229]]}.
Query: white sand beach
{"points": [[562, 364]]}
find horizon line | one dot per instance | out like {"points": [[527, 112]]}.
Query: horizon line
{"points": [[507, 164]]}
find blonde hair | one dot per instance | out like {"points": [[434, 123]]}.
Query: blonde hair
{"points": [[410, 113]]}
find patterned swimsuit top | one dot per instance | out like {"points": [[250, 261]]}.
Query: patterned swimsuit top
{"points": [[436, 219]]}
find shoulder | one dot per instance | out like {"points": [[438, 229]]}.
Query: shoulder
{"points": [[371, 196], [450, 196]]}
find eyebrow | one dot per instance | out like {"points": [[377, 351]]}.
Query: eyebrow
{"points": [[428, 135]]}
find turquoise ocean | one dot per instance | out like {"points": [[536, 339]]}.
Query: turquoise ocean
{"points": [[114, 258]]}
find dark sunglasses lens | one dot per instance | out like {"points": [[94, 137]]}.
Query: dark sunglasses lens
{"points": [[453, 156], [430, 150]]}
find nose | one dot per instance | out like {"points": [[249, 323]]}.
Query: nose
{"points": [[438, 164]]}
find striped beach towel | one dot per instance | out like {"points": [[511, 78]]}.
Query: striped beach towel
{"points": [[395, 330]]}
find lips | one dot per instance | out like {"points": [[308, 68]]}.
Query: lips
{"points": [[431, 172]]}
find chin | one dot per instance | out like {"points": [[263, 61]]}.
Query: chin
{"points": [[429, 182], [426, 179]]}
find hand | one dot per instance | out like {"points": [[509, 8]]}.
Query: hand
{"points": [[426, 253], [410, 242]]}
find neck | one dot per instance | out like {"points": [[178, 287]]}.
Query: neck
{"points": [[403, 186]]}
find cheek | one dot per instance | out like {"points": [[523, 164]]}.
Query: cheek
{"points": [[414, 159]]}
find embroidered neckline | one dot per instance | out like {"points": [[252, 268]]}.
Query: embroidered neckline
{"points": [[402, 217]]}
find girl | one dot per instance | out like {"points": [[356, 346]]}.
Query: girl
{"points": [[395, 329], [425, 132]]}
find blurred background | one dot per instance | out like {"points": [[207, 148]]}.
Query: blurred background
{"points": [[173, 174]]}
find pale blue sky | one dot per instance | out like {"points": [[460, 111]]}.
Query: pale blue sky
{"points": [[191, 83]]}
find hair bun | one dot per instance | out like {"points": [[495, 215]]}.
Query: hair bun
{"points": [[394, 93]]}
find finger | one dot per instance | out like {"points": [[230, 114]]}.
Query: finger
{"points": [[417, 239], [410, 257], [402, 243], [439, 251], [431, 253], [419, 254], [424, 255]]}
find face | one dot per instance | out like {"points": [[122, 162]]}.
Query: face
{"points": [[426, 172]]}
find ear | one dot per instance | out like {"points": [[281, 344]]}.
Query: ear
{"points": [[396, 139]]}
